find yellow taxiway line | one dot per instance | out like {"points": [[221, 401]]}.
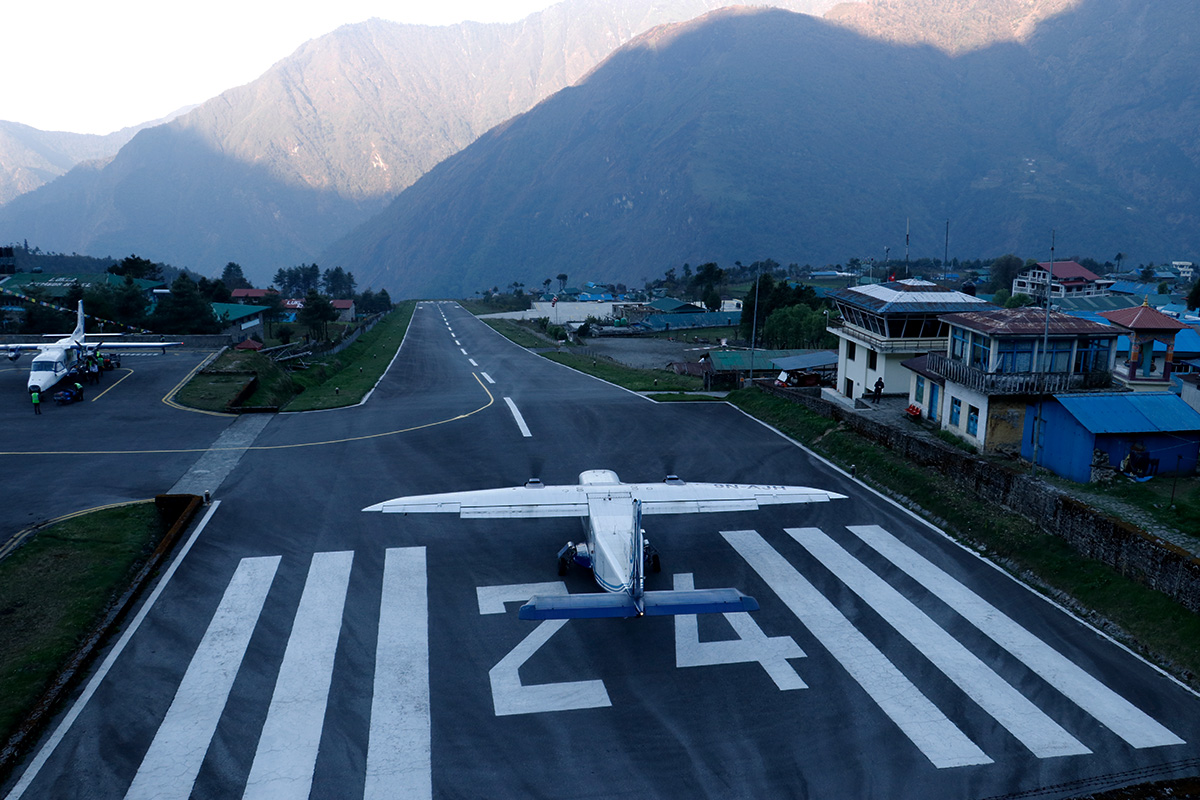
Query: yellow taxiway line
{"points": [[490, 401]]}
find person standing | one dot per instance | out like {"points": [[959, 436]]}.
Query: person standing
{"points": [[37, 402], [878, 389]]}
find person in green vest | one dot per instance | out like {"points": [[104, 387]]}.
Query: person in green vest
{"points": [[37, 401]]}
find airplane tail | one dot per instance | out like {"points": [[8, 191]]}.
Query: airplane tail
{"points": [[77, 334], [653, 604]]}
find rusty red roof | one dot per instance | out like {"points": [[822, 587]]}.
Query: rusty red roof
{"points": [[1025, 322], [1065, 270], [1143, 318]]}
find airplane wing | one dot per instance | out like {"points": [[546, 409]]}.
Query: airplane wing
{"points": [[677, 497], [515, 501], [109, 344]]}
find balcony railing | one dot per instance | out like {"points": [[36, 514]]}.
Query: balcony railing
{"points": [[884, 344], [1001, 383]]}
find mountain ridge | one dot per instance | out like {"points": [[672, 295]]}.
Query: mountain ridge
{"points": [[880, 134], [347, 121]]}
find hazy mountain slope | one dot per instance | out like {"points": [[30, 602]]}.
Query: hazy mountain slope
{"points": [[952, 25], [30, 157], [326, 136], [766, 134]]}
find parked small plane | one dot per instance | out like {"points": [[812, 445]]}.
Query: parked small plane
{"points": [[616, 549], [54, 361]]}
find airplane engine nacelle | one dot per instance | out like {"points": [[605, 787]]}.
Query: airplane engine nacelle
{"points": [[13, 355]]}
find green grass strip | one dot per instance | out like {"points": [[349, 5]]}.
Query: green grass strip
{"points": [[345, 379], [56, 587]]}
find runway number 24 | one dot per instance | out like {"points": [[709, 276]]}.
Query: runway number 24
{"points": [[510, 696]]}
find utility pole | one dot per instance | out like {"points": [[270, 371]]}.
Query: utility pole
{"points": [[754, 322]]}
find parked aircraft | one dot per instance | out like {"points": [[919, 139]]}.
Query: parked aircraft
{"points": [[616, 549], [54, 361]]}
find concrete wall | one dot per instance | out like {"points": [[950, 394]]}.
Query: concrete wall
{"points": [[1125, 547]]}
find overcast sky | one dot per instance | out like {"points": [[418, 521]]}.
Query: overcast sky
{"points": [[96, 67]]}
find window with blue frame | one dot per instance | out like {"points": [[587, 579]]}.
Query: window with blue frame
{"points": [[1092, 356], [959, 340], [981, 351], [955, 410], [972, 420], [1014, 355], [920, 396], [1058, 356]]}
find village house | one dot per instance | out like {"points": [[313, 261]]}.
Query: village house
{"points": [[1070, 279], [883, 325], [999, 360]]}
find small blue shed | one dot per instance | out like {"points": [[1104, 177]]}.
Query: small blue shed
{"points": [[1157, 432]]}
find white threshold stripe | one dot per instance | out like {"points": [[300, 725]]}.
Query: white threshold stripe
{"points": [[170, 766], [464, 351], [487, 377], [517, 416], [399, 761], [1044, 737], [69, 719], [1115, 712], [287, 749], [920, 720]]}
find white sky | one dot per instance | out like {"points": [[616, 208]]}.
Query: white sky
{"points": [[96, 67]]}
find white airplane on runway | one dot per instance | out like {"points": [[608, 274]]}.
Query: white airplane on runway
{"points": [[54, 361], [616, 549]]}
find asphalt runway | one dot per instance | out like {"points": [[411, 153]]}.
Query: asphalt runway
{"points": [[299, 647], [123, 442]]}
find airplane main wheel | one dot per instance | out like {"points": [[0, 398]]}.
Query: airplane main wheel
{"points": [[655, 564], [562, 566]]}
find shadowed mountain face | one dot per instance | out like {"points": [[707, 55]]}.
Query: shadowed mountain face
{"points": [[269, 173], [752, 134]]}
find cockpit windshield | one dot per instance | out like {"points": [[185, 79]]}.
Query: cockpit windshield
{"points": [[45, 365]]}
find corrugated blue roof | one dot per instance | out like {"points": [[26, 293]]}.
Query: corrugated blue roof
{"points": [[1131, 412]]}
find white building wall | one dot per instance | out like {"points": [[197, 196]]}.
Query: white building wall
{"points": [[969, 398]]}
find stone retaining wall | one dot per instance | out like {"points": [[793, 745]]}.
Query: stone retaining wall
{"points": [[1133, 552]]}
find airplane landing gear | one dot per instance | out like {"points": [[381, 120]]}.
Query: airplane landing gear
{"points": [[650, 556]]}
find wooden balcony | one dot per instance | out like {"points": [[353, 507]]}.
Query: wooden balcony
{"points": [[1016, 383]]}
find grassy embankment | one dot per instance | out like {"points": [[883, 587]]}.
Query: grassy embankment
{"points": [[1145, 619], [326, 382], [638, 380], [54, 590]]}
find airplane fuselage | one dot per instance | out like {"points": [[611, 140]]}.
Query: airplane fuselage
{"points": [[51, 365], [612, 531]]}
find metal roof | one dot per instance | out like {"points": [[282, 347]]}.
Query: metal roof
{"points": [[1131, 412], [739, 360], [821, 358], [1026, 322], [910, 296], [1143, 318]]}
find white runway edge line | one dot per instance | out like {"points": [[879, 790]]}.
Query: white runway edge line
{"points": [[69, 719], [399, 759], [1043, 736], [170, 767], [473, 364], [287, 749], [487, 377], [920, 720], [1115, 712], [517, 416]]}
